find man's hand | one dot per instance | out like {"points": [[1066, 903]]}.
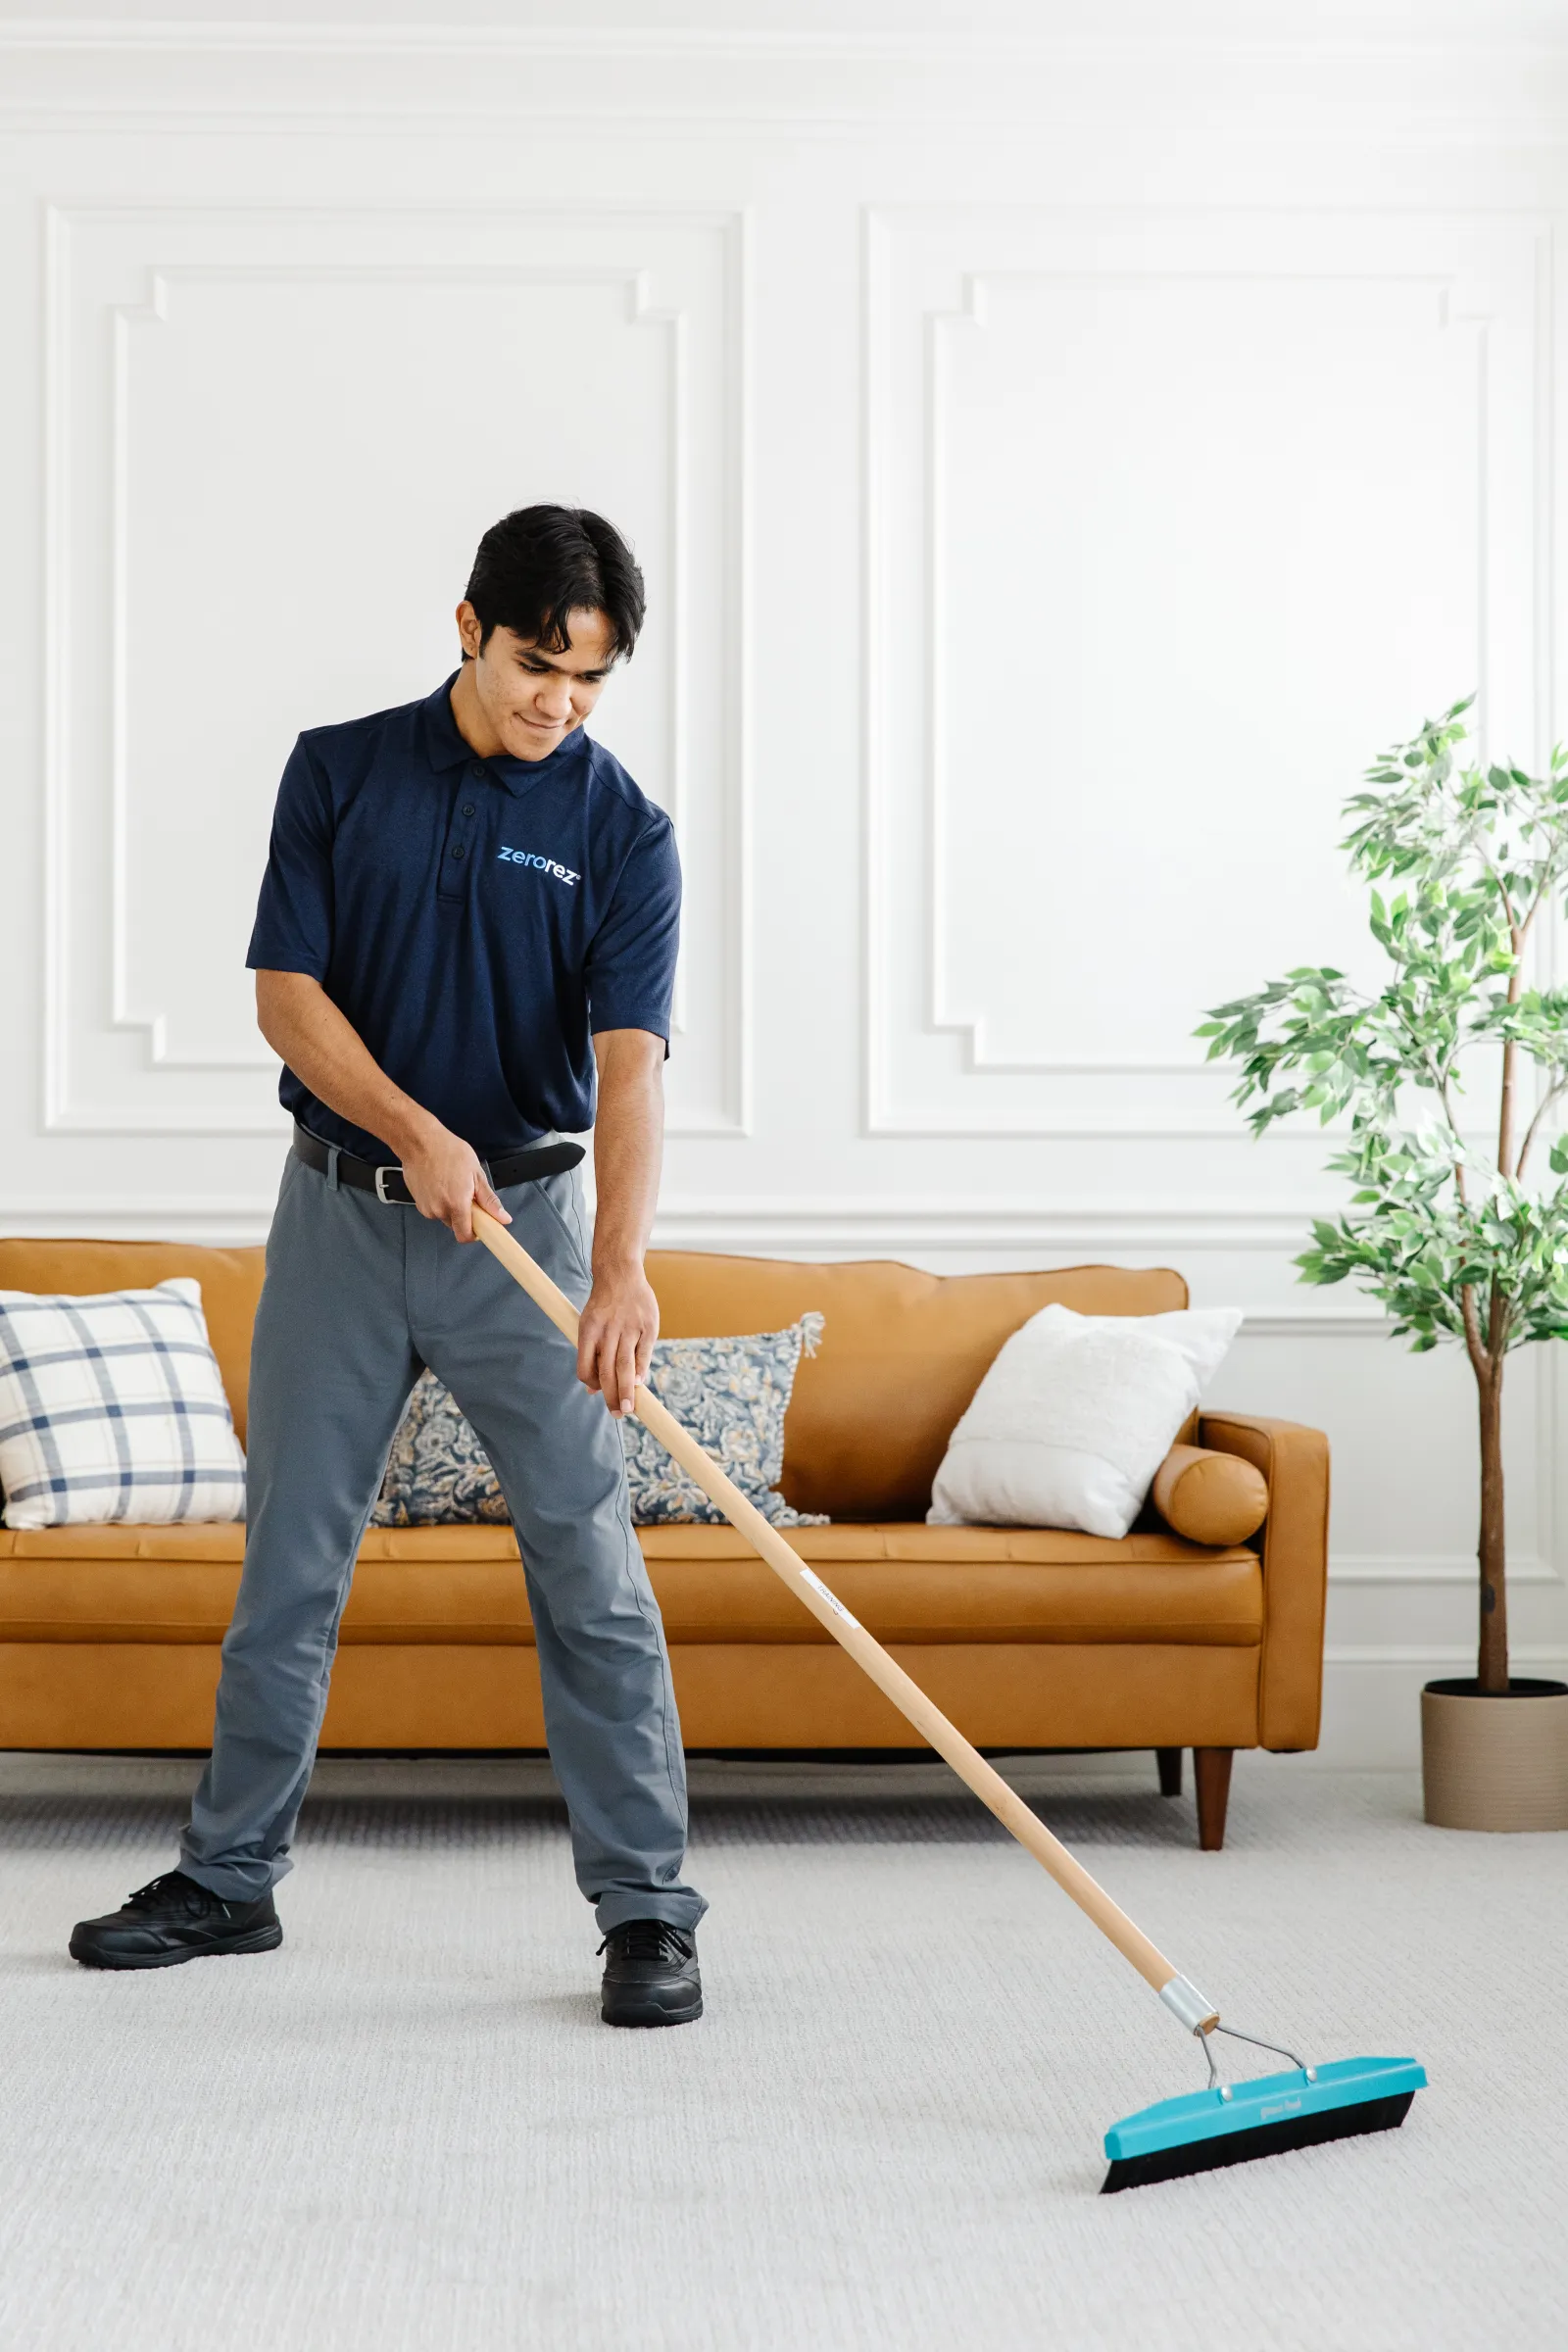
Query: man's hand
{"points": [[616, 1332], [444, 1175]]}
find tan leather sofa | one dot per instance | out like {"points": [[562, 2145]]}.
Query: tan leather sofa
{"points": [[1028, 1637]]}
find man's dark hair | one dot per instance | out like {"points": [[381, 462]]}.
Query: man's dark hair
{"points": [[540, 563]]}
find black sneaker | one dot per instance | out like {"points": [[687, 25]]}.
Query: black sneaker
{"points": [[174, 1919], [651, 1977]]}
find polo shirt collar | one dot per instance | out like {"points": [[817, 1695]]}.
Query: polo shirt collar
{"points": [[446, 748]]}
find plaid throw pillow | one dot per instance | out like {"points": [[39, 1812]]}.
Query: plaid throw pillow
{"points": [[113, 1407], [731, 1394]]}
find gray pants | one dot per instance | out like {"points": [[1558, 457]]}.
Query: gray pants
{"points": [[359, 1295]]}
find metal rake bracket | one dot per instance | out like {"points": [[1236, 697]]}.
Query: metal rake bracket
{"points": [[1224, 2088]]}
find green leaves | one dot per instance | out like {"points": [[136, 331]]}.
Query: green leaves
{"points": [[1417, 1253], [1459, 863]]}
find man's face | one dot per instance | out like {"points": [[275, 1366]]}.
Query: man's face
{"points": [[531, 699]]}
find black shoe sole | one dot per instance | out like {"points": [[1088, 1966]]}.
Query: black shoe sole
{"points": [[649, 2012], [259, 1939]]}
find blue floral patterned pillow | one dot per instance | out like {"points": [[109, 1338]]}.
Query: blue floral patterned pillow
{"points": [[437, 1470], [731, 1394]]}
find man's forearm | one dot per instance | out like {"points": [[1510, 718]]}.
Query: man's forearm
{"points": [[300, 1021], [628, 1146], [322, 1046], [619, 1323]]}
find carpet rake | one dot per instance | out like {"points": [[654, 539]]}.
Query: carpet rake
{"points": [[1224, 2123]]}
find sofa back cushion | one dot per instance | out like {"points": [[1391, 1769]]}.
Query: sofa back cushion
{"points": [[901, 1354], [230, 1280]]}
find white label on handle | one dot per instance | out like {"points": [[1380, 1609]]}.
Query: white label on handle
{"points": [[832, 1599]]}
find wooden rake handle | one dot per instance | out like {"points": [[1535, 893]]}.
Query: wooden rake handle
{"points": [[868, 1652]]}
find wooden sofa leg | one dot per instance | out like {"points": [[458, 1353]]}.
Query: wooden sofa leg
{"points": [[1169, 1760], [1211, 1769]]}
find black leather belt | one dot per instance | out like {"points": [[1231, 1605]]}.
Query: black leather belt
{"points": [[387, 1181]]}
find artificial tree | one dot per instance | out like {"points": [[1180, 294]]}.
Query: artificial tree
{"points": [[1449, 1238]]}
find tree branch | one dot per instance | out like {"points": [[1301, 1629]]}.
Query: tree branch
{"points": [[1440, 1081], [1509, 1051], [1472, 1331], [1543, 1107], [1479, 848]]}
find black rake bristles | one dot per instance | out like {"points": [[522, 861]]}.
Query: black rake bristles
{"points": [[1260, 2139]]}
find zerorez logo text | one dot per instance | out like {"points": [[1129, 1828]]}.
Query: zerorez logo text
{"points": [[546, 865]]}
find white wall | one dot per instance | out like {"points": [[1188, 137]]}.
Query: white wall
{"points": [[1064, 445]]}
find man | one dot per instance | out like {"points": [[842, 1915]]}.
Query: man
{"points": [[468, 905]]}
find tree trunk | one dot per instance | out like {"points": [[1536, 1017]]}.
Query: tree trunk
{"points": [[1493, 1664]]}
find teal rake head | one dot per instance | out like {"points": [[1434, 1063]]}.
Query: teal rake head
{"points": [[1230, 2123]]}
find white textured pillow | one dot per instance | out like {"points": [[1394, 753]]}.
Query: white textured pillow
{"points": [[113, 1407], [1075, 1416]]}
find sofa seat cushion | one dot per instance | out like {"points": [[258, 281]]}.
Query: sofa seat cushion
{"points": [[907, 1582]]}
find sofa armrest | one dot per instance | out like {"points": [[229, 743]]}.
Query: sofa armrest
{"points": [[1294, 1461]]}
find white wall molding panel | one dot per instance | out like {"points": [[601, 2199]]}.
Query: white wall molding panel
{"points": [[1064, 447], [1041, 387], [295, 367]]}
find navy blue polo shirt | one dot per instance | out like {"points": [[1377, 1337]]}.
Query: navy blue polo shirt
{"points": [[476, 920]]}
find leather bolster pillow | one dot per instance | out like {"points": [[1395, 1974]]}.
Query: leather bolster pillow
{"points": [[1210, 1497]]}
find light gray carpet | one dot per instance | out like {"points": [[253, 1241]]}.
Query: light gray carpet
{"points": [[408, 2132]]}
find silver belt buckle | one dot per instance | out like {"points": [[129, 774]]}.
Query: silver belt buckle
{"points": [[392, 1168]]}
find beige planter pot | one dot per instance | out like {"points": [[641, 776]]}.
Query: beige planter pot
{"points": [[1495, 1763]]}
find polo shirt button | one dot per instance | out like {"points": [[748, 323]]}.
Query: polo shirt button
{"points": [[468, 808], [477, 770], [459, 851]]}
